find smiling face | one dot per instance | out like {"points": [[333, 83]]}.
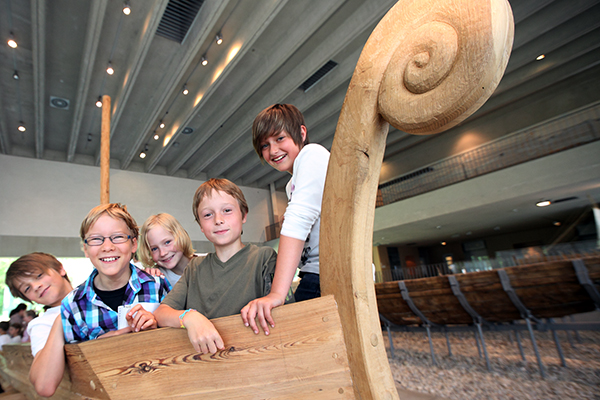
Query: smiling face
{"points": [[46, 287], [111, 260], [280, 151], [221, 221], [163, 248]]}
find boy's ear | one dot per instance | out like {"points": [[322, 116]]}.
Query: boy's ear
{"points": [[62, 271], [244, 218], [303, 133], [134, 243]]}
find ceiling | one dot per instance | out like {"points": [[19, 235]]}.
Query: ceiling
{"points": [[270, 49]]}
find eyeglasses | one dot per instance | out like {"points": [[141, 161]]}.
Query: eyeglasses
{"points": [[115, 239]]}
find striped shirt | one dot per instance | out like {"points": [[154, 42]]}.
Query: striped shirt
{"points": [[85, 316]]}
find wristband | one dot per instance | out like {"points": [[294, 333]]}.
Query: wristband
{"points": [[183, 315]]}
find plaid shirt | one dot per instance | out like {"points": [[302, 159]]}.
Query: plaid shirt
{"points": [[85, 316]]}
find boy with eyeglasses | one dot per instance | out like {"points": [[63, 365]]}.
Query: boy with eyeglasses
{"points": [[110, 235]]}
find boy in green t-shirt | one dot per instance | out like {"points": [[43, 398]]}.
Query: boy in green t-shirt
{"points": [[226, 280]]}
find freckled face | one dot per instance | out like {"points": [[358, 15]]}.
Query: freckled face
{"points": [[280, 151], [221, 219]]}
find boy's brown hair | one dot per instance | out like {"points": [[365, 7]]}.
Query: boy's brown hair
{"points": [[30, 265], [170, 223], [221, 185], [274, 119], [113, 210]]}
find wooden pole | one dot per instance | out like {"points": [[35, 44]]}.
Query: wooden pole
{"points": [[105, 152], [428, 65]]}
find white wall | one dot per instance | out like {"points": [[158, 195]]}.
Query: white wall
{"points": [[50, 199]]}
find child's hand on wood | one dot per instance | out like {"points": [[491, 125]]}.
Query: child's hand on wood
{"points": [[202, 333], [140, 319], [261, 309], [154, 272]]}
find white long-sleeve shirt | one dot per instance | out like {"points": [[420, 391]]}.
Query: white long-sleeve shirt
{"points": [[302, 218]]}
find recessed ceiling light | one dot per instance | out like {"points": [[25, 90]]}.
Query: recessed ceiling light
{"points": [[142, 155], [185, 90], [556, 223], [16, 76], [11, 41], [99, 102], [187, 130], [443, 243], [156, 137], [543, 203], [126, 8], [57, 102], [109, 69], [21, 127], [162, 124], [540, 57]]}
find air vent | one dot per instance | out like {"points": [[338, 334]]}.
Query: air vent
{"points": [[187, 130], [57, 102], [317, 76], [406, 177], [178, 18]]}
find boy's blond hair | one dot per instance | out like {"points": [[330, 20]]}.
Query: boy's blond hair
{"points": [[274, 119], [30, 265], [170, 223], [113, 210], [221, 185]]}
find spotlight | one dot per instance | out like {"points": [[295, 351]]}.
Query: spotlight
{"points": [[540, 57], [156, 137], [109, 69], [16, 76], [99, 102], [162, 124], [126, 8], [185, 90], [21, 127], [543, 203], [204, 61], [142, 155], [219, 39], [11, 41], [443, 243]]}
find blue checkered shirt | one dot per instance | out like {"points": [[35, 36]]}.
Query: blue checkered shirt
{"points": [[85, 316]]}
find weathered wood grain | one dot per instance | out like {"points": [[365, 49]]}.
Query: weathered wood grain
{"points": [[303, 356]]}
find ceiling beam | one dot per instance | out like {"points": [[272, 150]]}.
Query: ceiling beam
{"points": [[38, 30], [92, 38], [199, 32], [249, 80], [120, 101], [361, 20]]}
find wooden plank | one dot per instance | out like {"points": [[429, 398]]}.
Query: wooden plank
{"points": [[302, 357], [15, 361]]}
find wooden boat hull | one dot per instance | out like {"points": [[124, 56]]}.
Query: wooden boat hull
{"points": [[547, 290]]}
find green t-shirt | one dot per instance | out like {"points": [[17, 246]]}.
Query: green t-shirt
{"points": [[218, 289]]}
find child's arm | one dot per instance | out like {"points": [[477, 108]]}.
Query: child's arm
{"points": [[48, 365], [202, 333], [290, 251]]}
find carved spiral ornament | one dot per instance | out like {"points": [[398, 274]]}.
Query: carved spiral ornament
{"points": [[447, 63], [427, 66]]}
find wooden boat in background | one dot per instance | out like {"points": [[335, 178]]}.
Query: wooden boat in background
{"points": [[548, 290]]}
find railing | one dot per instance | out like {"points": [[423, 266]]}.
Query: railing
{"points": [[509, 258], [519, 147]]}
